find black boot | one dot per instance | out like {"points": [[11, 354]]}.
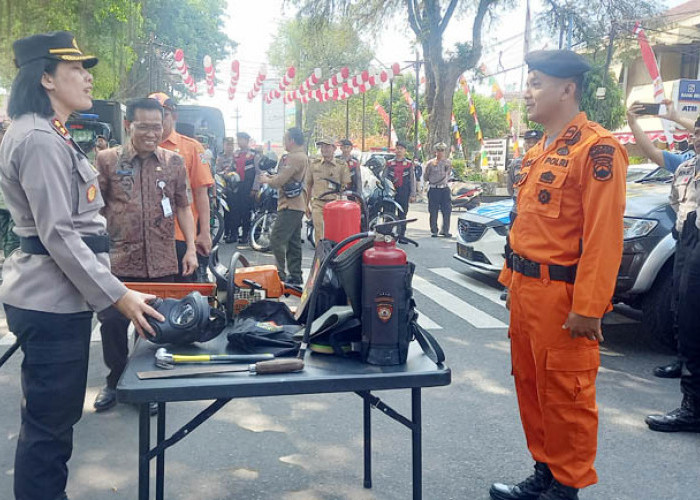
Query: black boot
{"points": [[671, 370], [683, 419], [529, 489], [558, 491]]}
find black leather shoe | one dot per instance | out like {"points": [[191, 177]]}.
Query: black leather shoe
{"points": [[683, 419], [153, 408], [105, 400], [229, 239], [529, 489], [433, 235], [295, 281], [671, 370], [558, 491], [447, 235]]}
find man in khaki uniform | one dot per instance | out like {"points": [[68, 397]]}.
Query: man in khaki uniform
{"points": [[285, 239], [318, 176], [145, 189]]}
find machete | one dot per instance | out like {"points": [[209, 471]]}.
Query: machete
{"points": [[262, 367]]}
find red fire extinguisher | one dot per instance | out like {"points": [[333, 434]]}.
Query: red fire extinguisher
{"points": [[341, 218], [385, 302]]}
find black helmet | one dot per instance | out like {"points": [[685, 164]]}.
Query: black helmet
{"points": [[377, 164], [187, 320]]}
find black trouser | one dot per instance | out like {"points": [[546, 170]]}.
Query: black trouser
{"points": [[242, 207], [200, 275], [689, 311], [403, 195], [54, 375], [114, 328], [680, 260], [229, 215], [285, 240], [439, 200]]}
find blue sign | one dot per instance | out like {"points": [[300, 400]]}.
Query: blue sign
{"points": [[689, 90]]}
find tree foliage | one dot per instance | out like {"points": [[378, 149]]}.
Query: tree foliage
{"points": [[121, 33]]}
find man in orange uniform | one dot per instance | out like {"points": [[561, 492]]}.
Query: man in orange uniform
{"points": [[567, 248], [199, 175]]}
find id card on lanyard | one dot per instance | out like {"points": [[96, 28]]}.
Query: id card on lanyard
{"points": [[165, 201]]}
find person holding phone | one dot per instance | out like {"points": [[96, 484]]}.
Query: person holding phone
{"points": [[60, 274], [682, 198]]}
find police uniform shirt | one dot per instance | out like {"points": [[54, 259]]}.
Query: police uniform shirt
{"points": [[684, 190], [51, 191], [320, 169], [142, 235], [437, 172]]}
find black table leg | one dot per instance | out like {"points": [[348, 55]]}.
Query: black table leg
{"points": [[144, 445], [368, 441], [160, 460], [416, 432]]}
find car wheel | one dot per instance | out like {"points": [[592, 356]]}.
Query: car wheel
{"points": [[657, 318]]}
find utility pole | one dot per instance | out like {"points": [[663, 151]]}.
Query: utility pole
{"points": [[364, 105], [236, 117], [391, 99]]}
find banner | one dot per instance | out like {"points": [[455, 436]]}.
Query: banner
{"points": [[385, 116], [498, 94], [653, 69]]}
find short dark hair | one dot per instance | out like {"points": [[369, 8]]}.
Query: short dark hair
{"points": [[28, 95], [697, 122], [296, 135], [142, 103]]}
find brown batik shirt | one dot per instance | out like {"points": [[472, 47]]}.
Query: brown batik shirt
{"points": [[142, 235]]}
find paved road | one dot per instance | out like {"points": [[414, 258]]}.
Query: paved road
{"points": [[309, 447]]}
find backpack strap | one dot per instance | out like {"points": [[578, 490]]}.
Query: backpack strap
{"points": [[428, 343]]}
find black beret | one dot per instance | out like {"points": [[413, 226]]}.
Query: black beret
{"points": [[557, 63], [57, 45], [533, 134], [403, 144], [346, 142], [243, 135]]}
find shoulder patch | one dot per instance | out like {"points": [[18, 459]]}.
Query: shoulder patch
{"points": [[601, 156]]}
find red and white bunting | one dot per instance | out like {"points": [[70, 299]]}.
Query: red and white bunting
{"points": [[257, 86], [182, 68], [210, 74]]}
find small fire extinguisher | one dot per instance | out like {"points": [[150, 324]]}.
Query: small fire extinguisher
{"points": [[385, 300]]}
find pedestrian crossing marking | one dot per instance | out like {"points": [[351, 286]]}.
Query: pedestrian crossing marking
{"points": [[462, 279], [426, 322], [467, 312]]}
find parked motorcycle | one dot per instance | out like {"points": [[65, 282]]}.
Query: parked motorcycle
{"points": [[265, 212], [465, 194], [381, 203]]}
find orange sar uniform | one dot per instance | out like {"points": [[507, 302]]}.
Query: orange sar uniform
{"points": [[198, 170], [567, 248]]}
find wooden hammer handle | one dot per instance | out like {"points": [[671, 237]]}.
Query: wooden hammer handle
{"points": [[279, 365]]}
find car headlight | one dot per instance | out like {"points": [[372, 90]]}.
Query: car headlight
{"points": [[636, 228]]}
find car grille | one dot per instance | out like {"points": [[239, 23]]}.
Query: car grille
{"points": [[470, 231]]}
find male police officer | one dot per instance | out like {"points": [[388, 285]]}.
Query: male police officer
{"points": [[437, 174], [567, 248], [685, 199], [246, 162], [401, 172], [353, 164], [320, 178]]}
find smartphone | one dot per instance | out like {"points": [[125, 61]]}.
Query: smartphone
{"points": [[648, 108]]}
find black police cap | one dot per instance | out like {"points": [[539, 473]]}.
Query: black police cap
{"points": [[56, 45], [557, 63], [345, 142], [403, 144], [243, 135], [533, 134]]}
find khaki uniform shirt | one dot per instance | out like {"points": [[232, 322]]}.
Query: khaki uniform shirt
{"points": [[336, 170], [684, 190], [437, 173], [142, 236], [292, 167], [51, 191]]}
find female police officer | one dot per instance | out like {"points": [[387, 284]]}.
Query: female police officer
{"points": [[61, 272]]}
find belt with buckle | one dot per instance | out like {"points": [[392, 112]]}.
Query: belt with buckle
{"points": [[533, 269], [33, 245]]}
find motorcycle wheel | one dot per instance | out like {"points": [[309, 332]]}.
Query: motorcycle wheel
{"points": [[260, 231], [216, 227]]}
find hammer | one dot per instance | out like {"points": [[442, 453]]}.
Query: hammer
{"points": [[166, 360]]}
